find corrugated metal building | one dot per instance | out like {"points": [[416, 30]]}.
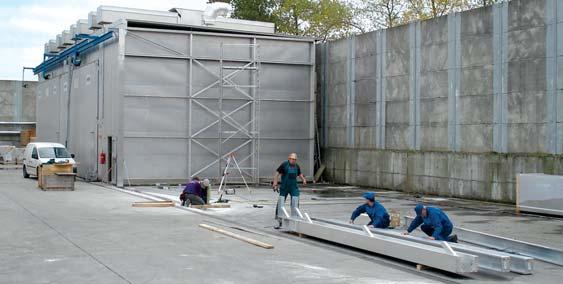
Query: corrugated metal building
{"points": [[171, 94]]}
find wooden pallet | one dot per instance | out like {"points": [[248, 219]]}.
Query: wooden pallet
{"points": [[56, 177]]}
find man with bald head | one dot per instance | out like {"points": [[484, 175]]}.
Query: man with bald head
{"points": [[289, 171]]}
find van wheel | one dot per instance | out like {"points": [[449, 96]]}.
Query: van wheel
{"points": [[25, 174]]}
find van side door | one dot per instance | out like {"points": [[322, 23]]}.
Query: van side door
{"points": [[33, 161]]}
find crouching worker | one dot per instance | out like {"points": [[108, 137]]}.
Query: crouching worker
{"points": [[376, 212], [435, 223], [193, 193]]}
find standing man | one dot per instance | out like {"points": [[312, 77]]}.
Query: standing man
{"points": [[289, 171], [376, 212], [435, 223], [193, 193]]}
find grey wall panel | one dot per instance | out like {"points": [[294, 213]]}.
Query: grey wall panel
{"points": [[274, 153], [83, 124], [155, 158], [284, 120], [48, 111], [208, 46], [157, 44], [155, 71], [285, 82], [284, 51], [151, 116]]}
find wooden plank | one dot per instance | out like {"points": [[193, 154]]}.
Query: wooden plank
{"points": [[153, 204], [207, 206], [238, 237], [319, 173]]}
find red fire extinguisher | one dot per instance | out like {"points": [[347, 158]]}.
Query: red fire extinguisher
{"points": [[102, 158]]}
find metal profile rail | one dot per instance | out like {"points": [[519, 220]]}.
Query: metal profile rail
{"points": [[508, 245], [75, 50], [439, 258], [488, 259]]}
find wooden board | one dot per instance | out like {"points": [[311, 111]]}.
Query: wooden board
{"points": [[153, 204], [214, 205], [238, 237]]}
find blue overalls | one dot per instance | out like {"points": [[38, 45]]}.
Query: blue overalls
{"points": [[288, 186], [435, 224]]}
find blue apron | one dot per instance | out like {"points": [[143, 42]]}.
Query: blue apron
{"points": [[289, 181]]}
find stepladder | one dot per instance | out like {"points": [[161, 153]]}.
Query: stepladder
{"points": [[231, 164]]}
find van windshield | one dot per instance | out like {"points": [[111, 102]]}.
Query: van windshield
{"points": [[53, 152]]}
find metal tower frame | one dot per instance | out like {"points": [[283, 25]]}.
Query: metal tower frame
{"points": [[249, 95]]}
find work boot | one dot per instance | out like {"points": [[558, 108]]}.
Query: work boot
{"points": [[278, 225], [452, 239]]}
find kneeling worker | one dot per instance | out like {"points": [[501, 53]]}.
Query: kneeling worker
{"points": [[375, 211], [435, 223], [193, 193]]}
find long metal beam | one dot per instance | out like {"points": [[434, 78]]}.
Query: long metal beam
{"points": [[439, 258], [508, 245], [488, 259]]}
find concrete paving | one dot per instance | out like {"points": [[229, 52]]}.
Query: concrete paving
{"points": [[94, 235], [337, 203]]}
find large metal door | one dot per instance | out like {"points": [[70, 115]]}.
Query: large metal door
{"points": [[83, 125]]}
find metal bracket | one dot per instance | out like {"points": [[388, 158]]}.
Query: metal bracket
{"points": [[448, 248], [308, 218], [367, 230]]}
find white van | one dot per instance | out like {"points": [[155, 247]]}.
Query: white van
{"points": [[38, 153]]}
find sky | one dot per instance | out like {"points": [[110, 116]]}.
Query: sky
{"points": [[26, 25]]}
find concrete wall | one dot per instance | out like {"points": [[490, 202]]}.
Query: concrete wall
{"points": [[456, 105], [17, 104]]}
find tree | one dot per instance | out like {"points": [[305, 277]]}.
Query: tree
{"points": [[426, 9], [482, 3], [377, 14], [254, 10], [318, 18], [322, 18]]}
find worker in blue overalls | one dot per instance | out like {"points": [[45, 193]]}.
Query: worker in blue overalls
{"points": [[376, 212], [435, 223], [289, 171]]}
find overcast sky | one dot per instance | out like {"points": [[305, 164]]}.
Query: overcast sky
{"points": [[27, 24]]}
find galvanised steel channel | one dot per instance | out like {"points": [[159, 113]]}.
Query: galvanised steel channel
{"points": [[488, 259], [440, 258], [508, 245]]}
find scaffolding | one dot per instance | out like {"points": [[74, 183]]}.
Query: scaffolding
{"points": [[238, 128]]}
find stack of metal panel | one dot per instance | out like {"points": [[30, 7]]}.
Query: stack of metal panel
{"points": [[477, 250]]}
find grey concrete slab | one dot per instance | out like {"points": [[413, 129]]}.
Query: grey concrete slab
{"points": [[93, 235]]}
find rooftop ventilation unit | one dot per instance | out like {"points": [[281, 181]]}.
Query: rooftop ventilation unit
{"points": [[82, 27], [216, 16], [188, 17], [67, 38], [93, 21], [60, 44], [53, 47], [110, 14]]}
